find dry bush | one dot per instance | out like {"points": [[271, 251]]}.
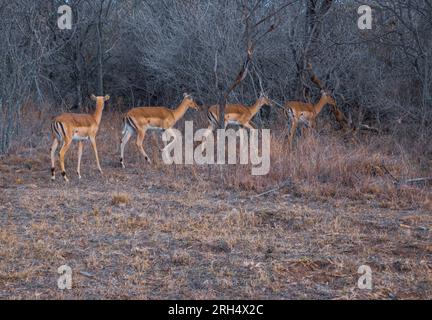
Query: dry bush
{"points": [[333, 165], [120, 199]]}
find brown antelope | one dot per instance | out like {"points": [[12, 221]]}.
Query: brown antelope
{"points": [[69, 127], [139, 120], [237, 113], [306, 113]]}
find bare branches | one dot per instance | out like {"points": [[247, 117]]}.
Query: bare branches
{"points": [[152, 51], [252, 35]]}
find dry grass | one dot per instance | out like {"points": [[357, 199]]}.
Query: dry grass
{"points": [[352, 167], [155, 232]]}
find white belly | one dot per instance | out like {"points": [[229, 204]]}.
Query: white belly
{"points": [[77, 137], [154, 128], [233, 122]]}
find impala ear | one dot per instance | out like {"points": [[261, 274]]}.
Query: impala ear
{"points": [[93, 97], [107, 97]]}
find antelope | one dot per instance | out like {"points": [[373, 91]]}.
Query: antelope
{"points": [[307, 112], [141, 119], [69, 127], [237, 113]]}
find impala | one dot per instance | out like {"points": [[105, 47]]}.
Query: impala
{"points": [[139, 120], [237, 113], [307, 112], [69, 127]]}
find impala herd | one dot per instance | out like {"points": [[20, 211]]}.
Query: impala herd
{"points": [[69, 127]]}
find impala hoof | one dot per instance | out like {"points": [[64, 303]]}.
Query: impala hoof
{"points": [[65, 177]]}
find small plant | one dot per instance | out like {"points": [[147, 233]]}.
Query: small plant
{"points": [[181, 257], [120, 199]]}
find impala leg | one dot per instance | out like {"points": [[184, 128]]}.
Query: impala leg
{"points": [[208, 132], [249, 126], [139, 144], [53, 151], [313, 124], [293, 131], [63, 150], [93, 143], [127, 135], [80, 152], [303, 131], [172, 133]]}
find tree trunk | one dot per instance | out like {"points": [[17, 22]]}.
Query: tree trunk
{"points": [[100, 58]]}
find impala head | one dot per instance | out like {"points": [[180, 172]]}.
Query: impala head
{"points": [[100, 99], [328, 98], [187, 98], [265, 100]]}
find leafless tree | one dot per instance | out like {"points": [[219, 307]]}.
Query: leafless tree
{"points": [[150, 52]]}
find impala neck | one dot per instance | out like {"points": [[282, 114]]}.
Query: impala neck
{"points": [[320, 105], [256, 107], [181, 110], [98, 112]]}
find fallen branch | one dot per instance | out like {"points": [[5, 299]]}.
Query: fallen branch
{"points": [[398, 182], [415, 181], [280, 186]]}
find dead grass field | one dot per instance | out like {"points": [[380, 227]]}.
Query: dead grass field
{"points": [[159, 232]]}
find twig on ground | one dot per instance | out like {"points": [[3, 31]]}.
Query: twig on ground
{"points": [[415, 181], [280, 186]]}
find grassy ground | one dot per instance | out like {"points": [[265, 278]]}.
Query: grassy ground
{"points": [[158, 232]]}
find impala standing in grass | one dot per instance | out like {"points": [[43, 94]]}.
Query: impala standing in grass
{"points": [[301, 112], [306, 113], [69, 127], [237, 113], [139, 120]]}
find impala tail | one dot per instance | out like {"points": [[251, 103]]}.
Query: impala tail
{"points": [[288, 112], [58, 130], [213, 120], [128, 125]]}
